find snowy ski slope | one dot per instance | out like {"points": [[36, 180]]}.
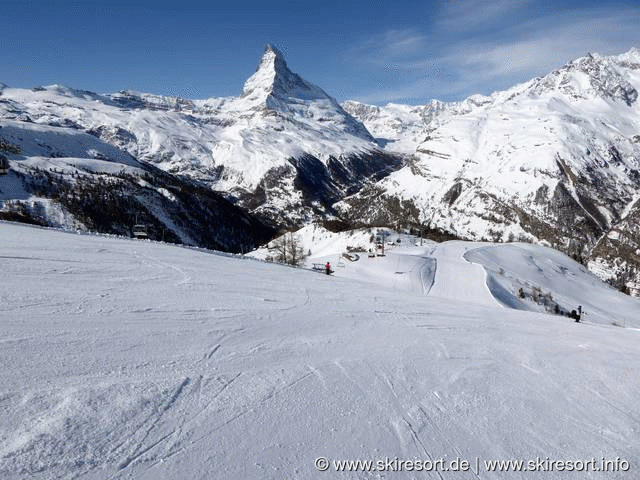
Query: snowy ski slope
{"points": [[469, 272], [131, 359]]}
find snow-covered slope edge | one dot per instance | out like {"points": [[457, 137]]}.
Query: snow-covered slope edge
{"points": [[537, 278]]}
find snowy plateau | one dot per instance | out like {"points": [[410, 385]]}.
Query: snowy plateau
{"points": [[189, 355], [133, 359]]}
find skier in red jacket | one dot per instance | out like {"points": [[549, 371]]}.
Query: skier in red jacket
{"points": [[327, 268]]}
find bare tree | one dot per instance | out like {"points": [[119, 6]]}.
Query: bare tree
{"points": [[288, 249]]}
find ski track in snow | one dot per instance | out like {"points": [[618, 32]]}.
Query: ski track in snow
{"points": [[458, 279], [129, 359]]}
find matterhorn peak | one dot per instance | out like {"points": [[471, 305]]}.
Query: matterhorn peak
{"points": [[274, 86], [271, 65], [272, 54]]}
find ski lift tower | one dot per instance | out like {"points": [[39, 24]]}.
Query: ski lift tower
{"points": [[4, 165], [140, 231], [383, 234]]}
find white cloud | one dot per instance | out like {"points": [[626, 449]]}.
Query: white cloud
{"points": [[452, 66], [391, 47], [462, 15], [402, 42], [546, 46]]}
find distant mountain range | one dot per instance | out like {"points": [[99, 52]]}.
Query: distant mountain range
{"points": [[555, 160]]}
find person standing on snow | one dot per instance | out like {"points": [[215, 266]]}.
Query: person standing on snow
{"points": [[327, 267]]}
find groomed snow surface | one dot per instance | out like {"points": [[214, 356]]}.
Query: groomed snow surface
{"points": [[132, 359]]}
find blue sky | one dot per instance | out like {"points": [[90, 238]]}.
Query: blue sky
{"points": [[371, 51]]}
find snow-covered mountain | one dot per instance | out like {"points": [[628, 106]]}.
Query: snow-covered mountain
{"points": [[65, 178], [278, 89], [556, 159], [284, 149], [401, 128]]}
